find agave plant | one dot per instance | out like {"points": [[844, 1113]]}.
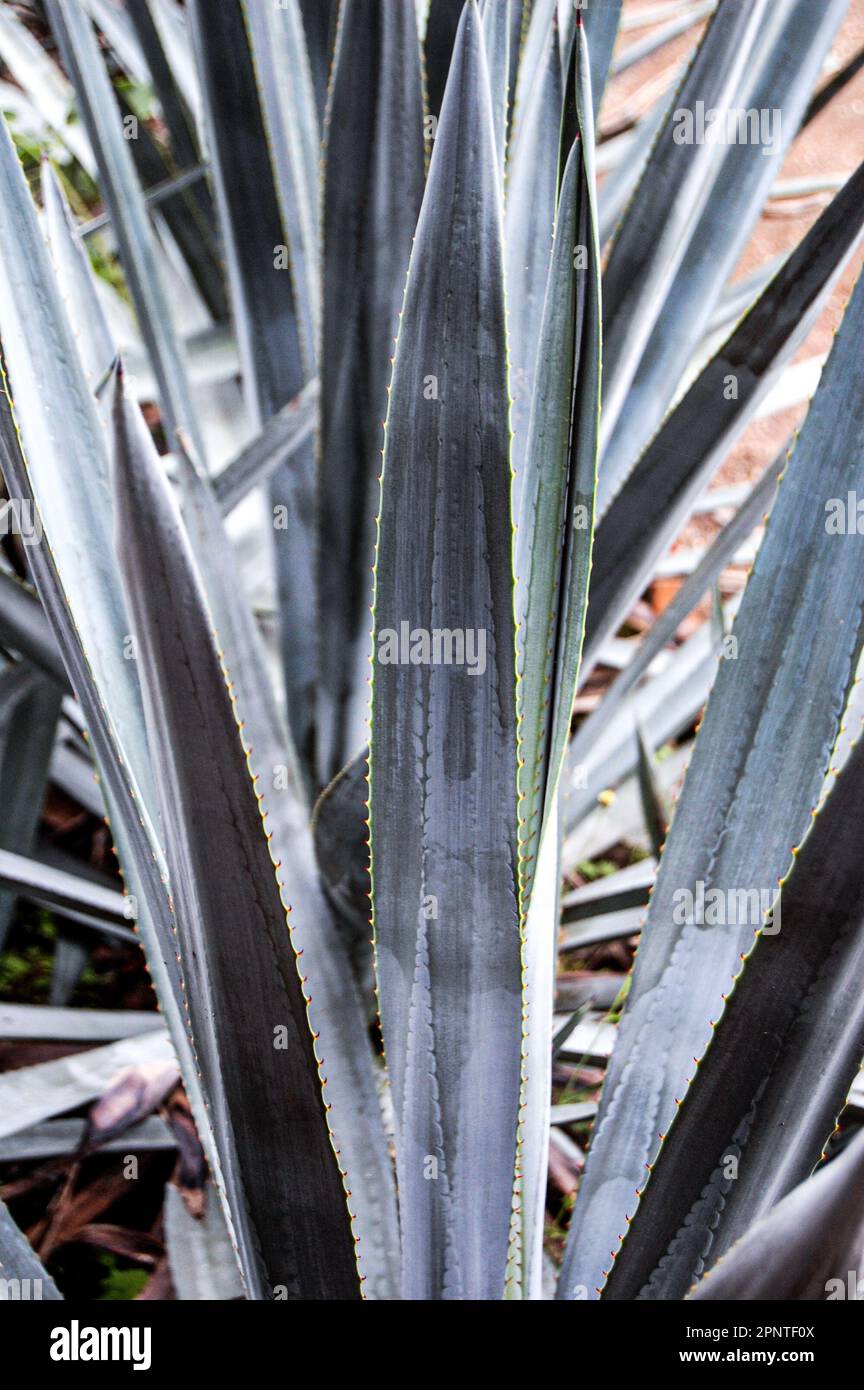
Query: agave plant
{"points": [[321, 610]]}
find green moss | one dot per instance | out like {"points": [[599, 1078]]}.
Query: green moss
{"points": [[601, 868], [120, 1285]]}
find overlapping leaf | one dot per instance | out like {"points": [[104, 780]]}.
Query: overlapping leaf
{"points": [[801, 613], [553, 558], [266, 321], [720, 553], [601, 18], [29, 710], [554, 527], [373, 184], [679, 461], [441, 23], [65, 475], [532, 194], [674, 191], [124, 199], [248, 1009], [279, 47], [786, 60], [318, 20], [756, 1118], [810, 1247], [24, 627]]}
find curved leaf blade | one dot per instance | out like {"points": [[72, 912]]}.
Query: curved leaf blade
{"points": [[601, 30], [352, 1085], [553, 560], [75, 280], [555, 526], [787, 1255], [285, 1188], [278, 47], [532, 198], [777, 1072], [497, 31], [443, 756]]}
